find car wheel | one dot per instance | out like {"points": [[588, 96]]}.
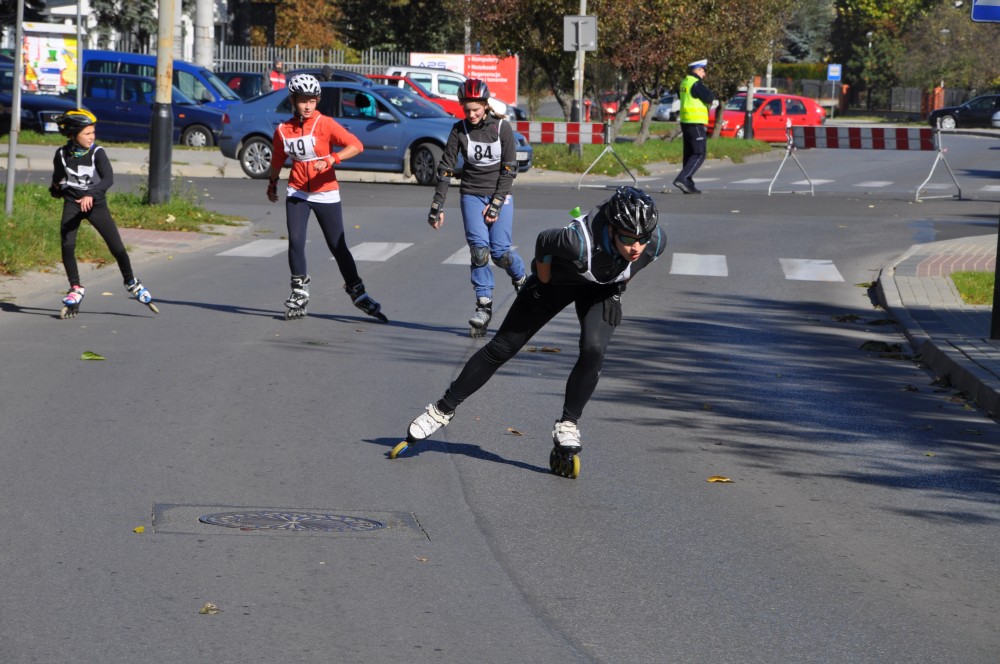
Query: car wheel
{"points": [[255, 157], [739, 133], [424, 163], [197, 136], [947, 121]]}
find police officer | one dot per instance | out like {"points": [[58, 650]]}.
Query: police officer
{"points": [[696, 99]]}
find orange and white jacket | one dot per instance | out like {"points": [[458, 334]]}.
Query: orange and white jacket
{"points": [[310, 140]]}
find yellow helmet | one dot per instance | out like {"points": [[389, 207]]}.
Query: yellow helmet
{"points": [[73, 122]]}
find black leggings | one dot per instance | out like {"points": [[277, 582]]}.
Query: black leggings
{"points": [[331, 221], [100, 218], [535, 306]]}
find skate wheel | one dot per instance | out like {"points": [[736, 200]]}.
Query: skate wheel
{"points": [[572, 467], [152, 307], [66, 312], [399, 449], [564, 466]]}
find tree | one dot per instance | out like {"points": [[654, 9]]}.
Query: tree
{"points": [[435, 26], [32, 12], [306, 23], [945, 48], [807, 34], [867, 39], [132, 21]]}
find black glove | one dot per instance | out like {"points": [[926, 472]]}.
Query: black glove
{"points": [[493, 209], [435, 214], [613, 310], [55, 191]]}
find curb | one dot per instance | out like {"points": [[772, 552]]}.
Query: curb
{"points": [[943, 357]]}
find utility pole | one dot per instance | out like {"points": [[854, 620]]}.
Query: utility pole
{"points": [[15, 111], [162, 134], [204, 33]]}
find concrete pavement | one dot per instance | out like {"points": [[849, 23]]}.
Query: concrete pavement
{"points": [[951, 337]]}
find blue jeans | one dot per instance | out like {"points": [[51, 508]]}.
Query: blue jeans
{"points": [[495, 236]]}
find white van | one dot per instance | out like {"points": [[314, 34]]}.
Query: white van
{"points": [[445, 83]]}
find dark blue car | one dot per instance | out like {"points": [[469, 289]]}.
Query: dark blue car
{"points": [[401, 132], [123, 104], [38, 112]]}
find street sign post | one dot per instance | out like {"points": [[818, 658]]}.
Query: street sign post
{"points": [[833, 74]]}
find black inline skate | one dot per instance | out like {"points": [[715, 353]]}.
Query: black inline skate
{"points": [[364, 301], [295, 305], [481, 318]]}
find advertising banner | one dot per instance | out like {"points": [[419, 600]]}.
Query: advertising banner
{"points": [[498, 73], [50, 58]]}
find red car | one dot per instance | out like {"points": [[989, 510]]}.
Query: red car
{"points": [[636, 110], [450, 107], [771, 115]]}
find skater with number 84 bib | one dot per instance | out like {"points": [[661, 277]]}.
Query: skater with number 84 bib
{"points": [[587, 264], [489, 149]]}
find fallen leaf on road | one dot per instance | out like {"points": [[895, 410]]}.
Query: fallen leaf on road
{"points": [[514, 431], [139, 529], [107, 293], [719, 478], [90, 355], [209, 609], [929, 454], [422, 559]]}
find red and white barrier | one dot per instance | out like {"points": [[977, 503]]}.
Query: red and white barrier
{"points": [[864, 138], [570, 133]]}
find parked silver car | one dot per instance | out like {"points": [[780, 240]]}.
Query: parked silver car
{"points": [[668, 109]]}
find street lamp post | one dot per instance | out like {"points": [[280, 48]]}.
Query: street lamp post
{"points": [[868, 64]]}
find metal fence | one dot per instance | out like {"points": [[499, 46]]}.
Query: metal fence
{"points": [[260, 59]]}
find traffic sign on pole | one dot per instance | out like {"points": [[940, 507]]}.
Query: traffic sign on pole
{"points": [[986, 11], [833, 72]]}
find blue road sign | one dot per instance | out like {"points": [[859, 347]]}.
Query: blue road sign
{"points": [[833, 72], [986, 11]]}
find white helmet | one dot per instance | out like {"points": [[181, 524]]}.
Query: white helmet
{"points": [[304, 84]]}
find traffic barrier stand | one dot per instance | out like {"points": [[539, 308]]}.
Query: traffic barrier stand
{"points": [[875, 138], [790, 152], [573, 133]]}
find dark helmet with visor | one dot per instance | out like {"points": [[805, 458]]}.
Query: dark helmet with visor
{"points": [[632, 212]]}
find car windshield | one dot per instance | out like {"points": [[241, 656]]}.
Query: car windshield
{"points": [[740, 103], [409, 104], [219, 86]]}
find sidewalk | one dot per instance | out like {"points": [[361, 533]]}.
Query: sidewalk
{"points": [[952, 338]]}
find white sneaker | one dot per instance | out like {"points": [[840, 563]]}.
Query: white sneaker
{"points": [[566, 436], [428, 422]]}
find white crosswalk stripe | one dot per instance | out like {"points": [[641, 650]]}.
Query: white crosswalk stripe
{"points": [[377, 251], [991, 187], [258, 249], [874, 184], [704, 265], [753, 181], [701, 265], [808, 269]]}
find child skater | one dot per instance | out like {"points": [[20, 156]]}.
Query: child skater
{"points": [[81, 176]]}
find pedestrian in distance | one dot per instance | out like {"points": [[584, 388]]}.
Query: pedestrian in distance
{"points": [[587, 264], [275, 79], [487, 144], [309, 139], [81, 177], [696, 99], [326, 73]]}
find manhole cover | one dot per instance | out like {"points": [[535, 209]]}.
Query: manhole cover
{"points": [[291, 520]]}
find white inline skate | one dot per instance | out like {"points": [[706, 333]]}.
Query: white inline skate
{"points": [[422, 428], [141, 293], [563, 459], [71, 303]]}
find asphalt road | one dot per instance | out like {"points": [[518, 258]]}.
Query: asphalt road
{"points": [[861, 523]]}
